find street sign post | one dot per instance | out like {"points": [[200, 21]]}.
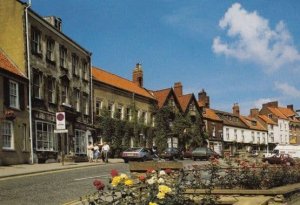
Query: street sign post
{"points": [[61, 129]]}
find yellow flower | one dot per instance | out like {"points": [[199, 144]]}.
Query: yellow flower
{"points": [[152, 203], [128, 182], [160, 195], [116, 180], [124, 176], [164, 189]]}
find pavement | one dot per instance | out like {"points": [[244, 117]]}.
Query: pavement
{"points": [[28, 169]]}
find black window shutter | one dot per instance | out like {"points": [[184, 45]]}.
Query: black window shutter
{"points": [[6, 92], [22, 96]]}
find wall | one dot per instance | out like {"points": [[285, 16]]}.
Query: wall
{"points": [[12, 30]]}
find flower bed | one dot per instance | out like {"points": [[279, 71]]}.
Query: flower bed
{"points": [[174, 187]]}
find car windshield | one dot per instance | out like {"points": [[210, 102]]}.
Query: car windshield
{"points": [[134, 149]]}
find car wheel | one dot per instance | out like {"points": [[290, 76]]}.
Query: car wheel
{"points": [[143, 159], [126, 160], [194, 158]]}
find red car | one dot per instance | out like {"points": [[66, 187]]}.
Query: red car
{"points": [[279, 159]]}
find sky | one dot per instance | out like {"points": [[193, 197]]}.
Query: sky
{"points": [[245, 52]]}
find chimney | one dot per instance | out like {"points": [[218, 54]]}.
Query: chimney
{"points": [[178, 89], [291, 107], [54, 21], [254, 112], [203, 98], [271, 104], [236, 109], [137, 75]]}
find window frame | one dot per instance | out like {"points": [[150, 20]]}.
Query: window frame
{"points": [[50, 49], [14, 95], [7, 135], [37, 85], [52, 90], [49, 139], [36, 37]]}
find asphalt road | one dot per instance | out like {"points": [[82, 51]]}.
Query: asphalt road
{"points": [[57, 187]]}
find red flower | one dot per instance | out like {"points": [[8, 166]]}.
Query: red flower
{"points": [[98, 184], [114, 173], [168, 171], [150, 170], [142, 178]]}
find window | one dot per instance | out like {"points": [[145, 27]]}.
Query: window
{"points": [[243, 135], [258, 137], [84, 71], [110, 109], [64, 94], [128, 114], [51, 90], [35, 41], [46, 140], [86, 105], [37, 80], [192, 107], [63, 57], [75, 65], [77, 100], [119, 112], [80, 142], [7, 135], [14, 94], [227, 133], [235, 134], [99, 105], [50, 49]]}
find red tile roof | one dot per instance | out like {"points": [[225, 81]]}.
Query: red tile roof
{"points": [[249, 122], [210, 114], [8, 65], [277, 112], [119, 82], [286, 111], [267, 120], [161, 96], [184, 101]]}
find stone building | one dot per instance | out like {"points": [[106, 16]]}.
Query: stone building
{"points": [[59, 73], [125, 100], [14, 115]]}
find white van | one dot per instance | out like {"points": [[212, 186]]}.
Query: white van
{"points": [[291, 150]]}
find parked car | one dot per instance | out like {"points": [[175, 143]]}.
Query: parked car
{"points": [[187, 153], [171, 153], [279, 159], [137, 154], [204, 153]]}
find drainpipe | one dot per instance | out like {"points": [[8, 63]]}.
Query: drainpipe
{"points": [[29, 80]]}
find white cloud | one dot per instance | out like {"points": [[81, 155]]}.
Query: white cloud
{"points": [[287, 90], [258, 103], [253, 40]]}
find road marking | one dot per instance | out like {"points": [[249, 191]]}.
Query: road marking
{"points": [[100, 176]]}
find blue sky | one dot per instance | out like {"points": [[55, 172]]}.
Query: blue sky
{"points": [[245, 52]]}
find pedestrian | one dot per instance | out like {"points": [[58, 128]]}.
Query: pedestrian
{"points": [[90, 151], [96, 152], [104, 152]]}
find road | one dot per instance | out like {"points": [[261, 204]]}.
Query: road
{"points": [[56, 187]]}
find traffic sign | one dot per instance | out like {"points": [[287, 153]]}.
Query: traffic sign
{"points": [[60, 121]]}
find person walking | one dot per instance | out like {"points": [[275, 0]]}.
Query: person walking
{"points": [[104, 152], [96, 152], [90, 151]]}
